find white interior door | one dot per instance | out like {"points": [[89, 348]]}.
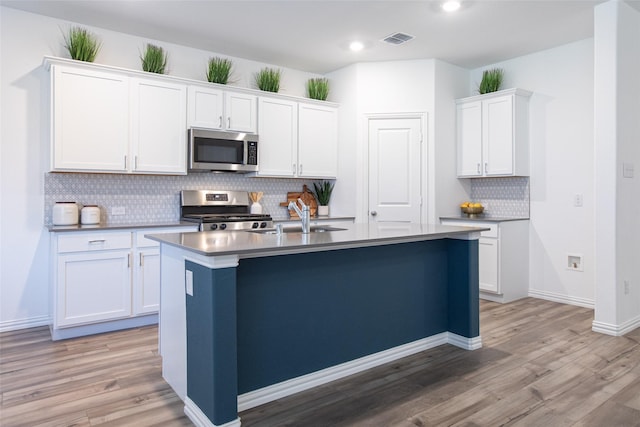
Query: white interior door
{"points": [[394, 169]]}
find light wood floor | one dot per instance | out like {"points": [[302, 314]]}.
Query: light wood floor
{"points": [[540, 366]]}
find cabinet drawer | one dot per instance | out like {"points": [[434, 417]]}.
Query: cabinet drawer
{"points": [[492, 232], [82, 242]]}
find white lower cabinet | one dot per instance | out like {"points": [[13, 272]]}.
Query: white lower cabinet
{"points": [[105, 280], [503, 255]]}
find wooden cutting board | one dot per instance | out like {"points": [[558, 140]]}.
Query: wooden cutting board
{"points": [[307, 197]]}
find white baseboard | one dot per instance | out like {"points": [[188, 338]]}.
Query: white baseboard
{"points": [[32, 322], [616, 330], [199, 419], [565, 299], [295, 385]]}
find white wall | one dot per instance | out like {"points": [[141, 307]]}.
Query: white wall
{"points": [[561, 140], [401, 87], [25, 39], [617, 142]]}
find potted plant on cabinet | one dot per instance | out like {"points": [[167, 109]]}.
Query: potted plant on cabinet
{"points": [[219, 70], [318, 88], [81, 44], [268, 79], [491, 80], [154, 59], [323, 195]]}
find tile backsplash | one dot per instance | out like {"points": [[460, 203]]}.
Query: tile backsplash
{"points": [[156, 198], [502, 197]]}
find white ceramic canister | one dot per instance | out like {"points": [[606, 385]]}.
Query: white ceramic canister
{"points": [[65, 213], [90, 214]]}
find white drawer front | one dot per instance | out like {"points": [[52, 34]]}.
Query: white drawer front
{"points": [[81, 242], [143, 242]]}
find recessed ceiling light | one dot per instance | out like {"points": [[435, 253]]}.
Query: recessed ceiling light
{"points": [[451, 5], [356, 46]]}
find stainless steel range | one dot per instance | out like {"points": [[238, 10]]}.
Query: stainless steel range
{"points": [[220, 210]]}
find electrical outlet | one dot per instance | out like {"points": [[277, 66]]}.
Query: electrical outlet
{"points": [[577, 200], [118, 210], [574, 262], [626, 287]]}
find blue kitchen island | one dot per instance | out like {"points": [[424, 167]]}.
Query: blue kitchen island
{"points": [[248, 317]]}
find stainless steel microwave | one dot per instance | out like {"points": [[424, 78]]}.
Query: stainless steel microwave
{"points": [[213, 150]]}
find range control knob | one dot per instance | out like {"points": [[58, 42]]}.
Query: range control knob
{"points": [[214, 226], [255, 225], [263, 225], [223, 226]]}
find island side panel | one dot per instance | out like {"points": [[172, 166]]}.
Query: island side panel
{"points": [[211, 342], [464, 291], [301, 313]]}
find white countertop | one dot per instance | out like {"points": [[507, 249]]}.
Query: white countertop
{"points": [[248, 244], [483, 218]]}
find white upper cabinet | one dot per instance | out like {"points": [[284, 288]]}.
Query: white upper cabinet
{"points": [[108, 120], [278, 133], [90, 120], [317, 141], [297, 139], [158, 127], [493, 134], [213, 108]]}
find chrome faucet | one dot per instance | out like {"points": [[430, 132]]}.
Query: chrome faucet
{"points": [[304, 215]]}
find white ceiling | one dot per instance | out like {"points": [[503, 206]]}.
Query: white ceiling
{"points": [[313, 35]]}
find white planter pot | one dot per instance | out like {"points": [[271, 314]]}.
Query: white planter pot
{"points": [[323, 210]]}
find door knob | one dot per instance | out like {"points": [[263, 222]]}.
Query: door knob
{"points": [[374, 213]]}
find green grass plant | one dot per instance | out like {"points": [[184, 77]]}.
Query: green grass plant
{"points": [[154, 59], [268, 79], [318, 88], [219, 70], [323, 192], [81, 44], [491, 80]]}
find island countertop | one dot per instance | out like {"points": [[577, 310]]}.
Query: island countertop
{"points": [[248, 244]]}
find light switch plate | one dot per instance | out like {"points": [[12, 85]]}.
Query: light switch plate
{"points": [[627, 170], [188, 282]]}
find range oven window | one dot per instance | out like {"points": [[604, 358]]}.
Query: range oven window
{"points": [[207, 150]]}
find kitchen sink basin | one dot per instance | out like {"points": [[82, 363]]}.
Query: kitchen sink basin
{"points": [[314, 229]]}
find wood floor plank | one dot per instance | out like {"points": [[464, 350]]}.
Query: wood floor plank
{"points": [[540, 365]]}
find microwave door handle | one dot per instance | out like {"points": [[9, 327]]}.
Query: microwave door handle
{"points": [[245, 156]]}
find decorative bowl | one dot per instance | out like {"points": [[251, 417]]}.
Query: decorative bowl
{"points": [[472, 211]]}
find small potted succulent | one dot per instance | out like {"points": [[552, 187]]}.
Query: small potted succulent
{"points": [[81, 44], [268, 79], [322, 192]]}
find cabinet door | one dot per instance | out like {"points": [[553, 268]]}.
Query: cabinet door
{"points": [[317, 141], [93, 287], [205, 107], [240, 112], [489, 265], [146, 290], [469, 138], [497, 135], [90, 120], [277, 128], [159, 130]]}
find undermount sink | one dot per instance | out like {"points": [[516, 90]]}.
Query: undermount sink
{"points": [[314, 229]]}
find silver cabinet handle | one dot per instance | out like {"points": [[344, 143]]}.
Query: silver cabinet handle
{"points": [[486, 167], [141, 260], [374, 213], [125, 162], [220, 125], [293, 168], [135, 162], [128, 260], [93, 242], [300, 169], [479, 171], [229, 122]]}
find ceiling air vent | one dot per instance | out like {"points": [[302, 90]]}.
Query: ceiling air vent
{"points": [[397, 38]]}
